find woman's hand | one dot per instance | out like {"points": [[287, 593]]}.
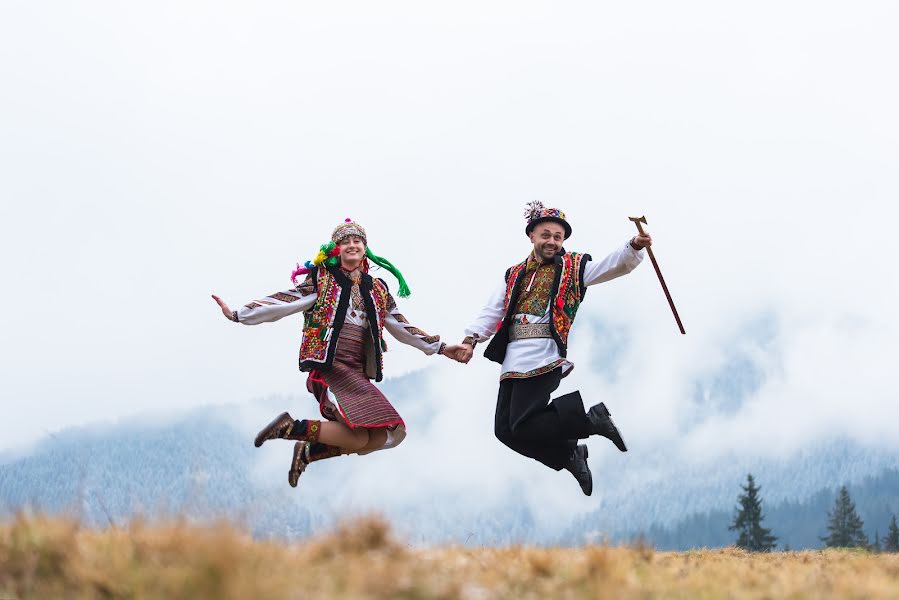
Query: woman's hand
{"points": [[458, 353], [225, 310]]}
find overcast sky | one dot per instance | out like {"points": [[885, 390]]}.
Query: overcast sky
{"points": [[152, 154]]}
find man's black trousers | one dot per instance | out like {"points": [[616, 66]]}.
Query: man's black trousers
{"points": [[528, 423]]}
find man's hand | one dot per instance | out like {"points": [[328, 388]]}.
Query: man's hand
{"points": [[466, 351], [225, 310], [641, 240], [454, 352]]}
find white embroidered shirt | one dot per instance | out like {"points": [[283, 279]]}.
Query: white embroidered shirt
{"points": [[301, 298], [535, 356]]}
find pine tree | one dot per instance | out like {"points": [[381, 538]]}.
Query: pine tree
{"points": [[748, 520], [875, 547], [845, 526], [891, 542]]}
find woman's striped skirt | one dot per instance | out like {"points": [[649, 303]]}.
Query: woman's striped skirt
{"points": [[354, 399]]}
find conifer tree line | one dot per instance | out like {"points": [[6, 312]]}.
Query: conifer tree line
{"points": [[845, 529]]}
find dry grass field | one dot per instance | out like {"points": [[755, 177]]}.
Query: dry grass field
{"points": [[43, 558]]}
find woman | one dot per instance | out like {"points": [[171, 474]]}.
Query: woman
{"points": [[346, 312]]}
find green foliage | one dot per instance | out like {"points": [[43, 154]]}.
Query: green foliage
{"points": [[891, 541], [846, 528], [748, 521]]}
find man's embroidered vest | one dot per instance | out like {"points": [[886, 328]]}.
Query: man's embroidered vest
{"points": [[565, 296], [325, 319]]}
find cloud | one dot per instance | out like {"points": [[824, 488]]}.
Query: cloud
{"points": [[150, 161]]}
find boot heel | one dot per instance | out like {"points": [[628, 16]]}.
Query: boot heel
{"points": [[297, 466]]}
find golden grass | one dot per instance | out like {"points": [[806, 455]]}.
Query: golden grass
{"points": [[44, 558]]}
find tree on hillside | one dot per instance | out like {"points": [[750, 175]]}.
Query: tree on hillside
{"points": [[845, 526], [891, 541], [748, 520]]}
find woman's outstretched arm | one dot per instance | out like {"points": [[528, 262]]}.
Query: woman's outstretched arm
{"points": [[272, 307]]}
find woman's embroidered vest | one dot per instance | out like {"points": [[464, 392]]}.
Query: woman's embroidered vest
{"points": [[565, 296], [325, 319]]}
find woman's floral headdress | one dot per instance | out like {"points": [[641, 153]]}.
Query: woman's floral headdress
{"points": [[329, 255]]}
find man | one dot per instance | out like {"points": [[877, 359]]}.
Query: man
{"points": [[529, 317]]}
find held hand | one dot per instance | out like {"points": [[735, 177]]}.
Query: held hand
{"points": [[225, 310], [642, 240], [465, 353], [452, 352]]}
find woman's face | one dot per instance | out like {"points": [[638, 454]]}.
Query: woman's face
{"points": [[352, 248]]}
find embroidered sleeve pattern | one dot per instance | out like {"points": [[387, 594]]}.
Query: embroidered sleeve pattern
{"points": [[400, 328], [307, 287], [471, 340], [278, 305], [429, 339]]}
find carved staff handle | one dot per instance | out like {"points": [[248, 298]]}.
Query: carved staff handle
{"points": [[638, 222]]}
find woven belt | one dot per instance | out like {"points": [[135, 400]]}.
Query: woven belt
{"points": [[530, 330]]}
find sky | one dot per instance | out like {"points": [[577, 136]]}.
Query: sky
{"points": [[154, 153]]}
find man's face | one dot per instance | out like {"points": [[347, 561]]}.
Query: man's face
{"points": [[352, 247], [548, 238]]}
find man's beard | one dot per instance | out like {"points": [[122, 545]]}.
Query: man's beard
{"points": [[543, 256]]}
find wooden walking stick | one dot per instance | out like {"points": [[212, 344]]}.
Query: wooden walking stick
{"points": [[637, 221]]}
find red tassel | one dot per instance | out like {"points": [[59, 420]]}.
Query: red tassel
{"points": [[335, 251], [315, 376]]}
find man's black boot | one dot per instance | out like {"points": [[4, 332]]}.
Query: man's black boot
{"points": [[577, 466], [602, 424]]}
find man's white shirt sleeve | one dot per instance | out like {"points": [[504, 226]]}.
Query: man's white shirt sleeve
{"points": [[534, 354], [488, 320], [620, 262]]}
